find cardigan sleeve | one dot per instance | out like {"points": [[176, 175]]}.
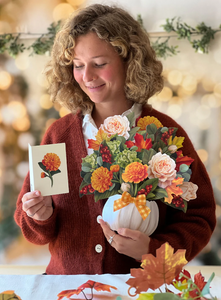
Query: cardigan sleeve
{"points": [[37, 232], [191, 230]]}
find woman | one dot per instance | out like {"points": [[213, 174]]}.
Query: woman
{"points": [[103, 65]]}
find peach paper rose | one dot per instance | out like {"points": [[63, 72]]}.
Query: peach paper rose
{"points": [[161, 166], [189, 191], [116, 124]]}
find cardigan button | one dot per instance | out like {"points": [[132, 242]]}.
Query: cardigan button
{"points": [[98, 219], [98, 248]]}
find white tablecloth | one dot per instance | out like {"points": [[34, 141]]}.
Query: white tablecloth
{"points": [[47, 287]]}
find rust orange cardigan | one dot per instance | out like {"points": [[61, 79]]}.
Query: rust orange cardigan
{"points": [[72, 232]]}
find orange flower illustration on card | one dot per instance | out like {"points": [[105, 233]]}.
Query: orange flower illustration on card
{"points": [[50, 165]]}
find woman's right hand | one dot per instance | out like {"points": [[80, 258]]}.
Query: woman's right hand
{"points": [[36, 206]]}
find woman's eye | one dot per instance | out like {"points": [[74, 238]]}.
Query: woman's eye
{"points": [[100, 65], [78, 67]]}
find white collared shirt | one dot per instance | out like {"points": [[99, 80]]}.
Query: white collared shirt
{"points": [[90, 129]]}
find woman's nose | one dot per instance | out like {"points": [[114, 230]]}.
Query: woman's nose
{"points": [[88, 75]]}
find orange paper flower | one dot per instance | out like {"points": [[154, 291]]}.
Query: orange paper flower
{"points": [[43, 175], [101, 179], [143, 122], [135, 172], [51, 161], [115, 168]]}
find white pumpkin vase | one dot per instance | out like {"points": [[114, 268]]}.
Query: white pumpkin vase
{"points": [[129, 216]]}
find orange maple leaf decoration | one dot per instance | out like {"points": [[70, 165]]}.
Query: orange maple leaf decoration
{"points": [[140, 143], [89, 284], [174, 189], [100, 137], [158, 270]]}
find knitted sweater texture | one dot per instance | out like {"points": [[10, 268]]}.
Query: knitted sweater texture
{"points": [[72, 231]]}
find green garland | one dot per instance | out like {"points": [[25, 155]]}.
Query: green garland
{"points": [[10, 42]]}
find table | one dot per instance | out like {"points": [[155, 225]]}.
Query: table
{"points": [[46, 287]]}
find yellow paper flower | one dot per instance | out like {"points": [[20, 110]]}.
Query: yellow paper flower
{"points": [[143, 122], [135, 172], [101, 179], [51, 161]]}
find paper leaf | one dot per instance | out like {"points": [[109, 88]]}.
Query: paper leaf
{"points": [[166, 296], [141, 143], [89, 284], [174, 189], [206, 289], [146, 296], [183, 160], [103, 287], [9, 295], [68, 293], [100, 137], [157, 270]]}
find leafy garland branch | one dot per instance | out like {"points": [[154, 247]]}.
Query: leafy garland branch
{"points": [[10, 42], [184, 31]]}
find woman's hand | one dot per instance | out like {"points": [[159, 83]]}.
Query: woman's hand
{"points": [[132, 243], [36, 206]]}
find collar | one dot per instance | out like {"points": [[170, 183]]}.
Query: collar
{"points": [[136, 109]]}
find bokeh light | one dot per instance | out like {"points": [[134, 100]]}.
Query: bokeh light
{"points": [[208, 84], [21, 124], [175, 77], [75, 2], [203, 154], [165, 95], [211, 100], [45, 101], [174, 111], [62, 11], [49, 122], [5, 80], [63, 112], [24, 139], [189, 83], [217, 90], [22, 169], [22, 61]]}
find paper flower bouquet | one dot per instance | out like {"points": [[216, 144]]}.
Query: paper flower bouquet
{"points": [[136, 165]]}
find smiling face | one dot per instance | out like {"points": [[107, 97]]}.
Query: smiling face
{"points": [[99, 70]]}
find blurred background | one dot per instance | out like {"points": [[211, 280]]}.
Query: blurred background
{"points": [[192, 96]]}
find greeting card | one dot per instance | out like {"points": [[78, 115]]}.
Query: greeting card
{"points": [[48, 169]]}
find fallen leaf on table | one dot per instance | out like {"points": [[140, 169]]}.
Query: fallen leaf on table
{"points": [[9, 295], [89, 284]]}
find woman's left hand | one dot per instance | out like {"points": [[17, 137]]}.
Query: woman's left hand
{"points": [[132, 243]]}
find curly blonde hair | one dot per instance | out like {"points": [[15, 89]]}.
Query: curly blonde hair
{"points": [[125, 34]]}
